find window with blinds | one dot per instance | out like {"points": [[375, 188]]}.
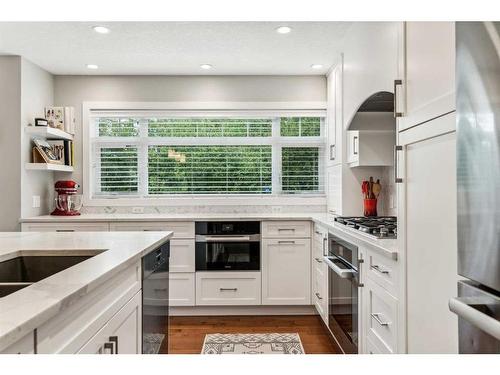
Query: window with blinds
{"points": [[146, 156]]}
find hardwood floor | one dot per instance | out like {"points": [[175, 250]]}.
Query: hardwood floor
{"points": [[188, 332]]}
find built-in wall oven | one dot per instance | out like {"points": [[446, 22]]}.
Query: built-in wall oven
{"points": [[343, 284], [227, 246]]}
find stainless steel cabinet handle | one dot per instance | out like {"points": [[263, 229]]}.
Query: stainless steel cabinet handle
{"points": [[318, 260], [228, 289], [65, 230], [114, 340], [110, 346], [284, 229], [354, 151], [397, 82], [361, 261], [325, 247], [397, 179], [283, 242], [378, 269], [318, 232], [319, 297], [376, 316]]}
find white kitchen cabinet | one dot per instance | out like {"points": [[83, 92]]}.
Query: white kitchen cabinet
{"points": [[334, 189], [380, 314], [370, 148], [122, 334], [286, 271], [228, 288], [26, 345], [427, 72], [65, 227], [319, 272], [182, 289], [427, 233], [286, 229], [334, 116], [182, 256]]}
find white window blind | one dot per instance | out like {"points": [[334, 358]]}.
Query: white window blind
{"points": [[145, 156]]}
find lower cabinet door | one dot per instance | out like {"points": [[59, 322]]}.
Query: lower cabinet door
{"points": [[228, 288], [286, 272], [121, 334], [320, 295], [182, 289]]}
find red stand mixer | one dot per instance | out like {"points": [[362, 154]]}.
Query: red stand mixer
{"points": [[68, 202]]}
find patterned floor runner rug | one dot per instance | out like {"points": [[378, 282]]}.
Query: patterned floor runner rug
{"points": [[253, 343]]}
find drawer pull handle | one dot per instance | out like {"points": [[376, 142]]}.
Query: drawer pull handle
{"points": [[283, 229], [376, 316], [110, 346], [160, 289], [114, 340], [319, 297], [283, 242], [228, 289], [317, 232], [65, 230], [318, 260], [379, 269]]}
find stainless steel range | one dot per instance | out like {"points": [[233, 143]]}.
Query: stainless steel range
{"points": [[378, 227]]}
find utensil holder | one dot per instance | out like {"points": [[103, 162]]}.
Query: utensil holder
{"points": [[370, 207]]}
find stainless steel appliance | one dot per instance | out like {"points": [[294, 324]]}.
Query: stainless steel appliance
{"points": [[155, 306], [343, 283], [377, 227], [478, 186], [227, 246]]}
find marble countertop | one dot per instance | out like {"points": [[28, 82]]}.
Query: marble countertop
{"points": [[387, 247], [28, 308]]}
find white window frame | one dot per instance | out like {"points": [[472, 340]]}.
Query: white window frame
{"points": [[209, 109]]}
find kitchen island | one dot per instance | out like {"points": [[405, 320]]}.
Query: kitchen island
{"points": [[63, 312]]}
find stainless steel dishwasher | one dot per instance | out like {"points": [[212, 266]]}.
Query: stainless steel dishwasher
{"points": [[155, 306]]}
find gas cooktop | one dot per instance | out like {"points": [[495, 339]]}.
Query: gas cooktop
{"points": [[378, 227]]}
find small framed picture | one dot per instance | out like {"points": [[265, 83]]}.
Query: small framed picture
{"points": [[55, 117]]}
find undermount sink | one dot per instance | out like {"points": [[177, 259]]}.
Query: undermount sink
{"points": [[20, 272]]}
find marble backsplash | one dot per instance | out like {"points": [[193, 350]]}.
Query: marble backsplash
{"points": [[207, 209]]}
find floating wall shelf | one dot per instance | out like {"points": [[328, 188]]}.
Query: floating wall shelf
{"points": [[49, 167], [48, 132]]}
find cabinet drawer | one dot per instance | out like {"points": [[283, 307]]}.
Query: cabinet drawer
{"points": [[319, 296], [65, 227], [182, 255], [286, 229], [380, 309], [181, 229], [228, 288], [182, 289], [383, 271]]}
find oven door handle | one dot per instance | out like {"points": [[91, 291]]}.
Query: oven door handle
{"points": [[250, 238], [342, 273]]}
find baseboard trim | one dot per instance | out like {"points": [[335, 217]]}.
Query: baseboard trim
{"points": [[241, 310]]}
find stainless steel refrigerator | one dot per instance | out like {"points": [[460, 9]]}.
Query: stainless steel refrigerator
{"points": [[478, 186]]}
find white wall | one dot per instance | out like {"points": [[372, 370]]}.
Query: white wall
{"points": [[10, 139], [37, 91], [74, 90]]}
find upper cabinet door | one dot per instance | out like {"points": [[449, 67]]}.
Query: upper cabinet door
{"points": [[428, 72], [334, 116]]}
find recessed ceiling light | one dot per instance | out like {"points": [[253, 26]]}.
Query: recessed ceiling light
{"points": [[283, 30], [92, 66], [206, 66], [316, 66], [101, 29]]}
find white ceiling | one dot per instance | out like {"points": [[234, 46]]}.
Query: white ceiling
{"points": [[243, 48]]}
